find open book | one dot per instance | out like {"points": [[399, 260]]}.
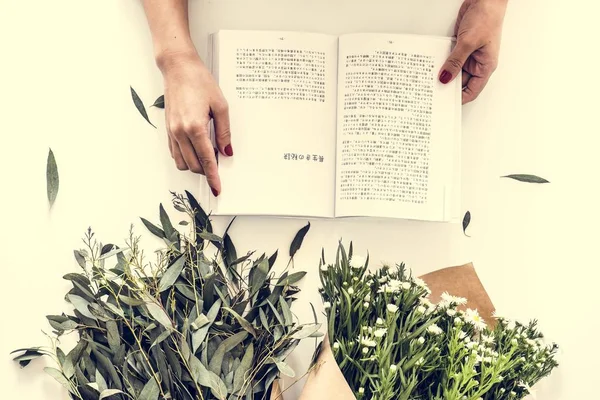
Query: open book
{"points": [[326, 126]]}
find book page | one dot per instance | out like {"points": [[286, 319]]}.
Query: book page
{"points": [[398, 129], [281, 90]]}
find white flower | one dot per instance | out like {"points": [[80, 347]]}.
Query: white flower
{"points": [[355, 279], [379, 333], [393, 368], [406, 285], [449, 299], [421, 310], [487, 339], [379, 321], [324, 267], [451, 312], [421, 283], [367, 342], [361, 390], [420, 361], [511, 325], [425, 302], [472, 317], [392, 308], [365, 350], [368, 297], [336, 346], [327, 305], [366, 304], [434, 329], [458, 321], [421, 340], [462, 335], [357, 262], [351, 291]]}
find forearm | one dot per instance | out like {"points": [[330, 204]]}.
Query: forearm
{"points": [[169, 26]]}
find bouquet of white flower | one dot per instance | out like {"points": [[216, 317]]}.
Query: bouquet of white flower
{"points": [[392, 339]]}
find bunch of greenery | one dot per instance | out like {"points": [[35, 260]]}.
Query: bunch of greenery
{"points": [[391, 342], [185, 327]]}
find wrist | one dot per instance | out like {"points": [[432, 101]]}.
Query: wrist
{"points": [[171, 58]]}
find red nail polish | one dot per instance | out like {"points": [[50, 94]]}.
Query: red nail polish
{"points": [[229, 150], [214, 192], [445, 77]]}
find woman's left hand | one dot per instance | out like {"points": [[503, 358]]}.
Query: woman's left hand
{"points": [[478, 33]]}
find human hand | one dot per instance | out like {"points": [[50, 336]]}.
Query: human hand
{"points": [[192, 98], [478, 31]]}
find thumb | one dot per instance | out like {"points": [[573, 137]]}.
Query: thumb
{"points": [[457, 58]]}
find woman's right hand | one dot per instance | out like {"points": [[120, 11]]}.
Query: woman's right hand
{"points": [[192, 98]]}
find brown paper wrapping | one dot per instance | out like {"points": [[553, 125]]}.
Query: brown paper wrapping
{"points": [[326, 381]]}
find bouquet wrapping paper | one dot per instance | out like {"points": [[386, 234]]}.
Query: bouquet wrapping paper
{"points": [[326, 381]]}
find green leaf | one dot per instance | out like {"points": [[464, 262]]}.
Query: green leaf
{"points": [[526, 178], [259, 275], [242, 321], [242, 370], [130, 301], [59, 377], [154, 229], [263, 319], [225, 346], [162, 337], [159, 102], [298, 239], [208, 378], [111, 253], [285, 369], [202, 220], [199, 336], [287, 313], [158, 312], [291, 279], [466, 222], [229, 249], [109, 392], [113, 336], [150, 391], [210, 237], [306, 331], [139, 104], [166, 223], [81, 305], [107, 365], [52, 179], [184, 223], [80, 258], [200, 322], [273, 258], [172, 273]]}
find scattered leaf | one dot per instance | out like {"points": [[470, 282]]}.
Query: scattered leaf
{"points": [[139, 104], [159, 102], [466, 222], [298, 239], [52, 180], [526, 178]]}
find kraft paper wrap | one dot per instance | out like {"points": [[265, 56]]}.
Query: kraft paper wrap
{"points": [[326, 381]]}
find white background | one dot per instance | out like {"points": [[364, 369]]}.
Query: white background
{"points": [[65, 71]]}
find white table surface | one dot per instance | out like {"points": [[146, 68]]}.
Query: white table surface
{"points": [[64, 77]]}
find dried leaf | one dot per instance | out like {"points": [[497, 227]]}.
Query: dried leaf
{"points": [[52, 179], [466, 222], [285, 369], [109, 392], [81, 305], [113, 336], [154, 229], [526, 178], [243, 322], [242, 369], [298, 239], [287, 313], [291, 279], [166, 224], [159, 102], [306, 331], [139, 104], [59, 377], [226, 346], [151, 390], [158, 312]]}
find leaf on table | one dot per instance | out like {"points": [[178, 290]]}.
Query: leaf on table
{"points": [[298, 239], [52, 179], [526, 178], [159, 102], [466, 222], [140, 105]]}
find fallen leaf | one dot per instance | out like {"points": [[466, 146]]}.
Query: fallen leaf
{"points": [[140, 106], [52, 181], [466, 222], [526, 178]]}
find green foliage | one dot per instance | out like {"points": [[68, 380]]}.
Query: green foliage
{"points": [[186, 327]]}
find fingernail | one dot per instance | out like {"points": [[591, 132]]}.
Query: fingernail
{"points": [[445, 77], [214, 192], [229, 150]]}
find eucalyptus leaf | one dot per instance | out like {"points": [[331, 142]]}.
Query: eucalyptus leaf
{"points": [[139, 104], [171, 274], [285, 369], [109, 392], [59, 377], [52, 178], [243, 322], [242, 370], [466, 222], [306, 331], [298, 239], [159, 102], [156, 231], [225, 346], [113, 335], [292, 278], [157, 312], [151, 390], [526, 178], [81, 305]]}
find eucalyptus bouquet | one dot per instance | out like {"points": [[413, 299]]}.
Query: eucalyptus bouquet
{"points": [[390, 341], [186, 327]]}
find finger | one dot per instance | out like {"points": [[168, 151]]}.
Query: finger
{"points": [[220, 113], [454, 63], [189, 155], [474, 87], [465, 78], [206, 154], [177, 156]]}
